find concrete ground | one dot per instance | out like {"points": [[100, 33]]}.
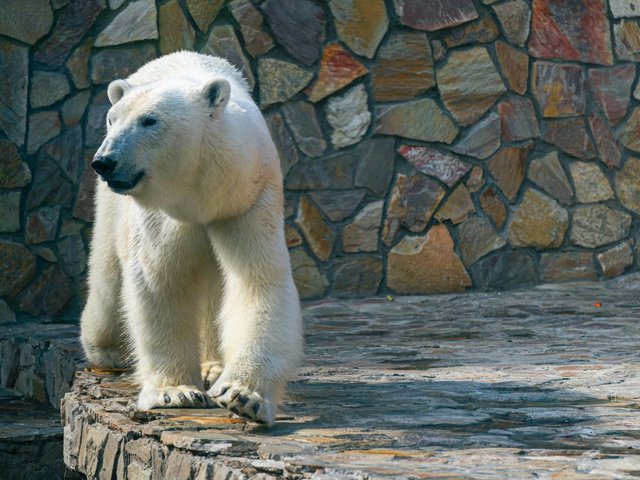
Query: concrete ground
{"points": [[542, 383]]}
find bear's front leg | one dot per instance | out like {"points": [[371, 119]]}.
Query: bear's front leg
{"points": [[261, 322], [163, 320]]}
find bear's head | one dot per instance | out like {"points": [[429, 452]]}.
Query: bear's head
{"points": [[154, 135]]}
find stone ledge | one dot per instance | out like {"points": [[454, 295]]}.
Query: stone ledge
{"points": [[39, 360], [504, 385]]}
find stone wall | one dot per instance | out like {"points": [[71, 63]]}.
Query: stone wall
{"points": [[428, 146]]}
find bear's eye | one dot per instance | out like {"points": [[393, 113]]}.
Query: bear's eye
{"points": [[148, 121]]}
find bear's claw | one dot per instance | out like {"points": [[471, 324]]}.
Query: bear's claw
{"points": [[243, 401], [182, 396], [210, 373]]}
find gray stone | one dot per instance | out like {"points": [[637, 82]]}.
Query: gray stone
{"points": [[298, 25], [477, 238], [590, 183], [14, 173], [42, 225], [26, 20], [303, 122], [110, 63], [287, 150], [432, 15], [308, 279], [357, 276], [43, 126], [483, 30], [445, 167], [482, 140], [256, 40], [567, 266], [547, 173], [48, 294], [624, 8], [73, 255], [9, 212], [627, 183], [362, 234], [50, 187], [66, 151], [338, 205], [223, 42], [469, 84], [95, 125], [504, 271], [73, 109], [14, 71], [72, 23], [609, 152], [538, 222], [7, 315], [45, 253], [597, 225], [614, 261], [334, 171], [137, 21], [559, 89], [47, 88], [376, 164], [419, 120], [611, 89], [115, 4], [16, 269], [349, 116], [279, 80], [515, 18]]}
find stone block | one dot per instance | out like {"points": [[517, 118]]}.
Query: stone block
{"points": [[538, 222], [426, 264]]}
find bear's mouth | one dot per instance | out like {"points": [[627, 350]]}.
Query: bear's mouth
{"points": [[121, 187]]}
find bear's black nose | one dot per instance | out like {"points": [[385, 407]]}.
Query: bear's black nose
{"points": [[103, 165]]}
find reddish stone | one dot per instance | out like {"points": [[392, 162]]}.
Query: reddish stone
{"points": [[337, 70], [475, 180], [514, 65], [74, 20], [611, 88], [571, 136], [571, 30], [518, 120], [445, 167], [508, 167], [316, 231], [434, 15], [559, 89], [608, 150], [493, 206], [360, 24], [292, 236], [404, 67], [413, 201]]}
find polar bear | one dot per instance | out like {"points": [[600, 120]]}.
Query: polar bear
{"points": [[189, 273]]}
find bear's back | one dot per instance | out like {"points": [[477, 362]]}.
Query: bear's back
{"points": [[190, 66]]}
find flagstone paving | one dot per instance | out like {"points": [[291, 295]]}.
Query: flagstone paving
{"points": [[539, 383]]}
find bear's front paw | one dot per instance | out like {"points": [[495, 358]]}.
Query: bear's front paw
{"points": [[243, 401], [182, 396]]}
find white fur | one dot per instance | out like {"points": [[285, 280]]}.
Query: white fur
{"points": [[191, 265]]}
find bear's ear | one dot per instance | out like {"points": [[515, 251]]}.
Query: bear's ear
{"points": [[217, 92], [116, 90]]}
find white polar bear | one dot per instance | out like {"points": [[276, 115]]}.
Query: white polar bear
{"points": [[189, 271]]}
